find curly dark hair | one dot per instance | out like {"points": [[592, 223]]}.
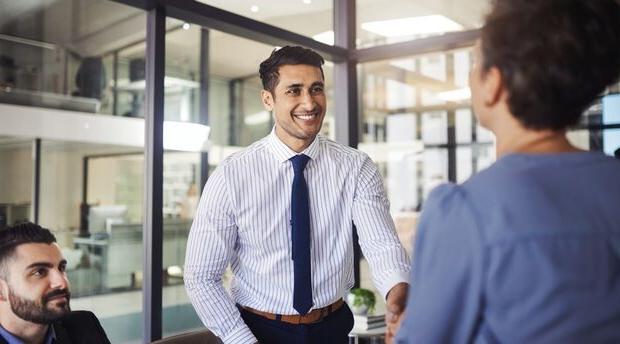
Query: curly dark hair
{"points": [[555, 56], [23, 233], [288, 55]]}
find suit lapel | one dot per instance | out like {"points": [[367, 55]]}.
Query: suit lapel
{"points": [[62, 337]]}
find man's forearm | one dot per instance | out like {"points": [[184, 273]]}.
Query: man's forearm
{"points": [[216, 308]]}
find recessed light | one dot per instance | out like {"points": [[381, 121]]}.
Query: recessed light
{"points": [[326, 37], [186, 26], [457, 95], [254, 8], [307, 2], [431, 24]]}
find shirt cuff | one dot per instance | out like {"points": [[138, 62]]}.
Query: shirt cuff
{"points": [[240, 335], [390, 280]]}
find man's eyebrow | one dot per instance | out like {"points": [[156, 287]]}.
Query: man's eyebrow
{"points": [[295, 85], [45, 264], [40, 265], [316, 83]]}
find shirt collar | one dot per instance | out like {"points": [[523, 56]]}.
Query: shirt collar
{"points": [[283, 153], [12, 339]]}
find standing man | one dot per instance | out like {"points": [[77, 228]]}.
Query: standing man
{"points": [[34, 292], [281, 212]]}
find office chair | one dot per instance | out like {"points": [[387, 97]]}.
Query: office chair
{"points": [[195, 337]]}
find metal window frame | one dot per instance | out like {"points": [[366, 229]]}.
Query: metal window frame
{"points": [[344, 54], [152, 231]]}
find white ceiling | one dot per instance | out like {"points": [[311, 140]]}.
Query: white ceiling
{"points": [[93, 27]]}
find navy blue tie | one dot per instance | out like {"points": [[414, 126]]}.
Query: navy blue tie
{"points": [[300, 222]]}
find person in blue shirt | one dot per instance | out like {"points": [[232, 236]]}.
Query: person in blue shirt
{"points": [[528, 250], [35, 294]]}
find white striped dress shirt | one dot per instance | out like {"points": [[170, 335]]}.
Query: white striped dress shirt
{"points": [[243, 218]]}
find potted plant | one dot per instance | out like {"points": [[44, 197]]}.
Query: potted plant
{"points": [[361, 301]]}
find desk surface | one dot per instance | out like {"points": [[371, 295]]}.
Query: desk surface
{"points": [[368, 333]]}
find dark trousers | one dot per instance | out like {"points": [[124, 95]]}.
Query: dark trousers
{"points": [[333, 329]]}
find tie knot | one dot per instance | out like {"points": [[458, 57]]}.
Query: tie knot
{"points": [[299, 162]]}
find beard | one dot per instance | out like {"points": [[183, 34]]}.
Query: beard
{"points": [[39, 311]]}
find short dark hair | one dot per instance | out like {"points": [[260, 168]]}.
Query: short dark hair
{"points": [[19, 234], [555, 56], [288, 55]]}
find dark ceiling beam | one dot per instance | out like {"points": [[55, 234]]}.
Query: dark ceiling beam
{"points": [[448, 41]]}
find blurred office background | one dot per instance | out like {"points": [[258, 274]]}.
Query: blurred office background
{"points": [[73, 93]]}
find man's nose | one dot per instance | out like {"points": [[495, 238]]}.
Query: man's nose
{"points": [[307, 101], [59, 280]]}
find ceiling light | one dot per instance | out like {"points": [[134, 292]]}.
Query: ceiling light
{"points": [[183, 136], [261, 117], [326, 37], [307, 2], [455, 95], [254, 8], [412, 26], [186, 26]]}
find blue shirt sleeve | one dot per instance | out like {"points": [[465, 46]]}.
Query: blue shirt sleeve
{"points": [[445, 297]]}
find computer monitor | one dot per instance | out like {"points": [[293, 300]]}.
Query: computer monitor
{"points": [[101, 217]]}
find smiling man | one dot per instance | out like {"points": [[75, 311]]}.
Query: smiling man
{"points": [[280, 212], [34, 292]]}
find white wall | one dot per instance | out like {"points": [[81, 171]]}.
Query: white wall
{"points": [[16, 173]]}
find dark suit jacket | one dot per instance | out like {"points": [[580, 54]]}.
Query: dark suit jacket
{"points": [[79, 327]]}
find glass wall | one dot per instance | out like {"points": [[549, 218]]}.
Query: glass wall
{"points": [[91, 197], [16, 180], [418, 127], [599, 129], [64, 60], [57, 54]]}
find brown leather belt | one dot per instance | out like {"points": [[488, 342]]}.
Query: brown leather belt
{"points": [[312, 317]]}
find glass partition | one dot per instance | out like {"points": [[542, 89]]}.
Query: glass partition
{"points": [[59, 54], [16, 176], [419, 129]]}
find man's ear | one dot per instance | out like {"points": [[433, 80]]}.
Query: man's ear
{"points": [[267, 99], [493, 85]]}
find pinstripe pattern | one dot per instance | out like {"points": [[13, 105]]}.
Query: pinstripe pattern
{"points": [[243, 218]]}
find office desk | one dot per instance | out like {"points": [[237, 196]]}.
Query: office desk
{"points": [[373, 336], [121, 252]]}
